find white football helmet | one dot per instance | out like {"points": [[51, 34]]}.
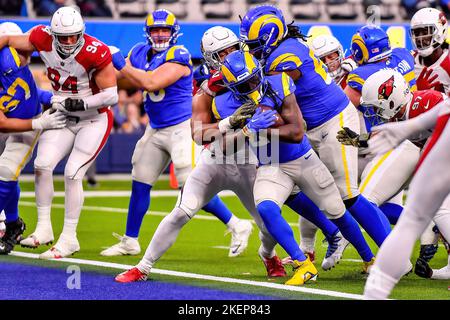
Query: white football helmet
{"points": [[9, 28], [67, 21], [428, 30], [214, 40], [325, 44], [386, 91]]}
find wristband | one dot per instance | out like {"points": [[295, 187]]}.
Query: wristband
{"points": [[224, 125]]}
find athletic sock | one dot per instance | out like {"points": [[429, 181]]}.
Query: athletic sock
{"points": [[217, 208], [392, 211], [368, 216], [9, 200], [139, 204], [280, 229], [304, 206], [350, 230]]}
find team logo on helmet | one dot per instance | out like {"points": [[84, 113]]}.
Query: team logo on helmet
{"points": [[386, 89], [442, 19]]}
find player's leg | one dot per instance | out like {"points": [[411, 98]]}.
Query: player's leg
{"points": [[202, 184], [182, 152], [272, 188], [428, 189], [53, 146], [387, 174], [393, 208], [181, 149], [308, 232], [342, 162], [243, 187], [16, 154], [149, 160], [316, 181], [90, 138]]}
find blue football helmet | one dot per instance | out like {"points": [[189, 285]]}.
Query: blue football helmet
{"points": [[201, 73], [243, 75], [262, 29], [370, 44], [162, 18]]}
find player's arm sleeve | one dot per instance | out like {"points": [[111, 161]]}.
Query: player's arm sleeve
{"points": [[180, 55], [284, 62], [288, 85], [9, 60], [41, 38], [355, 81], [44, 97]]}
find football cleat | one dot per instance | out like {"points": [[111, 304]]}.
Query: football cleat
{"points": [[126, 246], [2, 229], [239, 237], [13, 233], [423, 269], [41, 236], [310, 254], [303, 272], [427, 251], [441, 274], [273, 266], [131, 275], [336, 247], [367, 265], [63, 248]]}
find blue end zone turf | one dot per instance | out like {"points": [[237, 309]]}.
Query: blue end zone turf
{"points": [[21, 281]]}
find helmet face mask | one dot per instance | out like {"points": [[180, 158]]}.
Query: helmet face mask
{"points": [[215, 58], [155, 25], [67, 28], [333, 62], [423, 37]]}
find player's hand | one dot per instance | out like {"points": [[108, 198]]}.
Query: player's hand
{"points": [[50, 119], [73, 105], [386, 137], [261, 120], [348, 137], [349, 65], [244, 112], [118, 59], [426, 81]]}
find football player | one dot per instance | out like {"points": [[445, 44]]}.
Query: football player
{"points": [[217, 43], [84, 86], [423, 203], [388, 94], [21, 123], [164, 71], [328, 49], [325, 107]]}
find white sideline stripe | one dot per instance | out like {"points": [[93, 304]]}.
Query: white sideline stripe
{"points": [[322, 292], [121, 210], [125, 193]]}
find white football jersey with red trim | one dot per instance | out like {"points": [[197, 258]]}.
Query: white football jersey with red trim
{"points": [[74, 76], [441, 67]]}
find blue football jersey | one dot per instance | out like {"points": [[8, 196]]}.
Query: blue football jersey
{"points": [[318, 96], [171, 105], [401, 60], [279, 86], [19, 96]]}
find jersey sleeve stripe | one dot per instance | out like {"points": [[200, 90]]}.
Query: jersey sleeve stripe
{"points": [[355, 78], [15, 55], [214, 110], [286, 86], [285, 57]]}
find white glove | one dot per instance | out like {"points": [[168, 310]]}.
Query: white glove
{"points": [[50, 119], [349, 65], [388, 136], [58, 103], [2, 224]]}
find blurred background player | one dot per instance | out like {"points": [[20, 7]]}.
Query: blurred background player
{"points": [[328, 49], [20, 127], [324, 106], [422, 203], [168, 136], [84, 85], [429, 28]]}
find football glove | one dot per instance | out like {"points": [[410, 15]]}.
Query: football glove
{"points": [[349, 65], [244, 112], [261, 120], [423, 269], [348, 137], [50, 119], [73, 105]]}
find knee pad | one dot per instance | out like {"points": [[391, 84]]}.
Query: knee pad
{"points": [[41, 163], [189, 203], [75, 171], [178, 217]]}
